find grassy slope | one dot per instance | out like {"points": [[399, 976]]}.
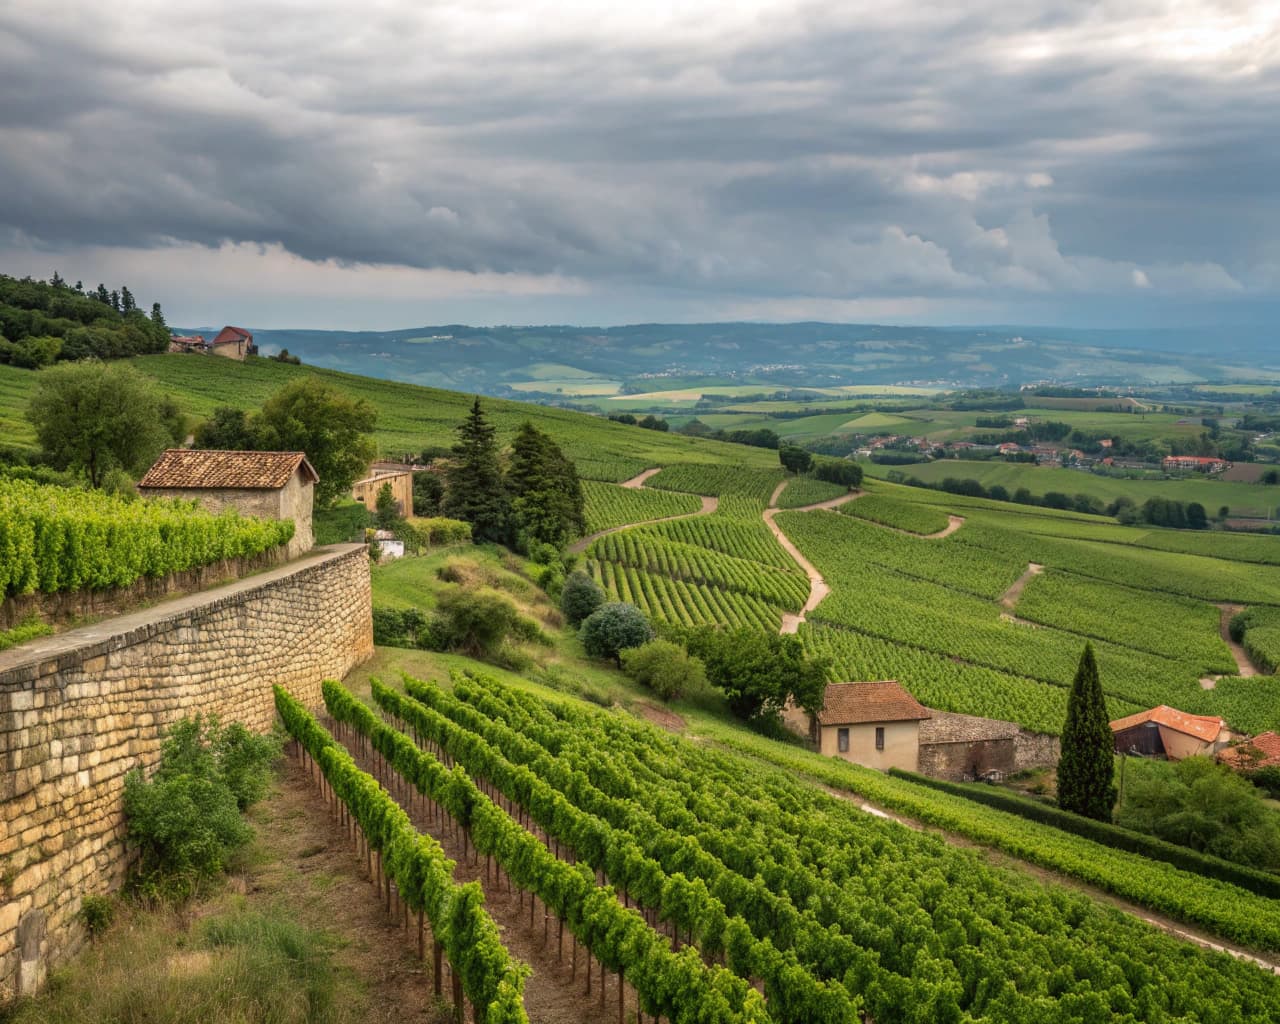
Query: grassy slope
{"points": [[409, 417]]}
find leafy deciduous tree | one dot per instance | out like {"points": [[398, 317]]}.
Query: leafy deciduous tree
{"points": [[580, 597], [758, 671], [310, 416], [94, 417]]}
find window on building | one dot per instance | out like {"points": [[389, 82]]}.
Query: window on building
{"points": [[879, 737], [842, 740]]}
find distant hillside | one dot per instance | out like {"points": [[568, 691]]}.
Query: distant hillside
{"points": [[561, 362]]}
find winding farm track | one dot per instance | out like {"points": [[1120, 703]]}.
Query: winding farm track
{"points": [[1010, 597], [709, 505], [1243, 664], [818, 587]]}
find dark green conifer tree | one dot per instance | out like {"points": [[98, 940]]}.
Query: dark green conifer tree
{"points": [[1087, 764], [475, 489], [547, 504]]}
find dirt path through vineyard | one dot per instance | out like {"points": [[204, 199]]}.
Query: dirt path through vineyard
{"points": [[1243, 664], [818, 588], [709, 505]]}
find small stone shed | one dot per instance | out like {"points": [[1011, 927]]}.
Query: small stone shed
{"points": [[270, 485], [872, 724]]}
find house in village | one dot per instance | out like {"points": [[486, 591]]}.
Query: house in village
{"points": [[1168, 732], [233, 343], [269, 485]]}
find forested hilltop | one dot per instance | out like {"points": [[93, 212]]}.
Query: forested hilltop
{"points": [[42, 322]]}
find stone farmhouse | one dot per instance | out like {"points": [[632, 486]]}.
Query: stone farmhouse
{"points": [[270, 485], [880, 725], [1168, 732], [233, 343], [872, 724]]}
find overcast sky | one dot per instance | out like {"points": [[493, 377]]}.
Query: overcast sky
{"points": [[391, 163]]}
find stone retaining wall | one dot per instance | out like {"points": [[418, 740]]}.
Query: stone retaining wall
{"points": [[81, 709]]}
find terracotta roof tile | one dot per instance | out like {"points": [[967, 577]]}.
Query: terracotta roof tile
{"points": [[855, 703], [1263, 751], [1202, 727], [180, 467]]}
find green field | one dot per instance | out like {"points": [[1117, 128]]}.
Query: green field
{"points": [[410, 417], [1243, 499]]}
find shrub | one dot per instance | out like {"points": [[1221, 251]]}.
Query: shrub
{"points": [[551, 580], [842, 471], [665, 668], [612, 628], [96, 913], [478, 622], [186, 819], [580, 597]]}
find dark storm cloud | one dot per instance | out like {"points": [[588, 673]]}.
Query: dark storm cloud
{"points": [[781, 152]]}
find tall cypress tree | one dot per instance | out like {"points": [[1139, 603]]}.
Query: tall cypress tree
{"points": [[475, 489], [1087, 764]]}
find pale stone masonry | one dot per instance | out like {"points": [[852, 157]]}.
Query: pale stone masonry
{"points": [[81, 709]]}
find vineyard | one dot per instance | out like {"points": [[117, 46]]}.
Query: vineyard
{"points": [[934, 613], [898, 514], [609, 506], [59, 539], [722, 480], [678, 869], [724, 568], [806, 490]]}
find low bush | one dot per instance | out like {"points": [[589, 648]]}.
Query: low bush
{"points": [[186, 819], [580, 597], [664, 667], [612, 628]]}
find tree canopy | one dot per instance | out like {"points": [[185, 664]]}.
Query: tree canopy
{"points": [[547, 505], [93, 418], [612, 628], [758, 671], [475, 490], [307, 415]]}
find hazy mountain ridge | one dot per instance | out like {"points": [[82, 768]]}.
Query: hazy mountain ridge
{"points": [[497, 360]]}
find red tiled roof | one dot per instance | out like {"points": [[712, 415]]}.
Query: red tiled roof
{"points": [[1202, 727], [855, 703], [201, 470], [232, 335], [1263, 751]]}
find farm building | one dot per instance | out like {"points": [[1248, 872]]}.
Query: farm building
{"points": [[234, 343], [1168, 732], [270, 485], [872, 724], [1263, 751], [1199, 463], [401, 481], [187, 343]]}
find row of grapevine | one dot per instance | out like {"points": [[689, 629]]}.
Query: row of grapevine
{"points": [[901, 515], [941, 921], [609, 506], [58, 539], [423, 875], [729, 533], [808, 490], [710, 479], [676, 985], [700, 566], [672, 600], [1173, 627], [607, 470]]}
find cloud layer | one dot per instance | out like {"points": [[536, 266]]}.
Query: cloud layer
{"points": [[984, 161]]}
